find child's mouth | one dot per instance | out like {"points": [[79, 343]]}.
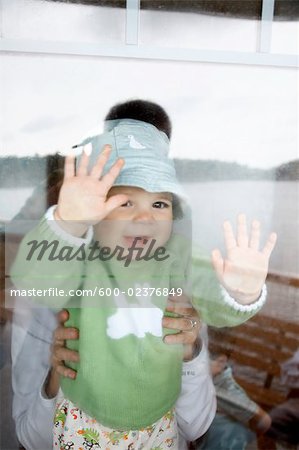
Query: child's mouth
{"points": [[137, 241]]}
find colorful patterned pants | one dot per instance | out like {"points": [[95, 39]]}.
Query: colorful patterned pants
{"points": [[74, 430]]}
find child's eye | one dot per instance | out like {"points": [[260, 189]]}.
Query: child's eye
{"points": [[161, 205], [128, 203]]}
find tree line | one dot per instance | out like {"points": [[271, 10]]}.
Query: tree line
{"points": [[30, 171]]}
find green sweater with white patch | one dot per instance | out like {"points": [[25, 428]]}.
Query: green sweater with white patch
{"points": [[127, 377]]}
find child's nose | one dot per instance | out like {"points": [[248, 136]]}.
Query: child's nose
{"points": [[144, 215]]}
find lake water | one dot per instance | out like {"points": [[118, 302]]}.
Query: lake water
{"points": [[275, 204], [12, 200]]}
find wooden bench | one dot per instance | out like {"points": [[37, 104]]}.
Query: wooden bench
{"points": [[257, 348]]}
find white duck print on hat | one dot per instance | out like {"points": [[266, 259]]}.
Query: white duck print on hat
{"points": [[134, 143]]}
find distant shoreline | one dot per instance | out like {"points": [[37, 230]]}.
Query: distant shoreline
{"points": [[31, 171]]}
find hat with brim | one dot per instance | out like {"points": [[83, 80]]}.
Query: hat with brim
{"points": [[145, 150]]}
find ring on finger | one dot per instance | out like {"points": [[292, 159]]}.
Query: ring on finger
{"points": [[193, 322]]}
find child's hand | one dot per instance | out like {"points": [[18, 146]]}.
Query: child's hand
{"points": [[245, 268], [83, 196]]}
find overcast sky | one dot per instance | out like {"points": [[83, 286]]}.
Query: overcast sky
{"points": [[247, 114]]}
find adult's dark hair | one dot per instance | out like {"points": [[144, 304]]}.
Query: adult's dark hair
{"points": [[142, 110]]}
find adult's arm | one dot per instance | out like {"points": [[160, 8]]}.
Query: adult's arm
{"points": [[196, 406], [32, 411]]}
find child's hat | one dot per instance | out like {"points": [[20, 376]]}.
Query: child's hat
{"points": [[145, 150]]}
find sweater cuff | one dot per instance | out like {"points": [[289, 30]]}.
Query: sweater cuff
{"points": [[245, 308], [73, 240]]}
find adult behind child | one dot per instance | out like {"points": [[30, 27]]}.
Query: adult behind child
{"points": [[88, 199], [33, 410]]}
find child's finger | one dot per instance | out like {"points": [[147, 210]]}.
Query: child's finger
{"points": [[115, 201], [69, 167], [218, 262], [242, 235], [83, 164], [255, 235], [229, 238], [108, 179], [102, 159], [270, 244]]}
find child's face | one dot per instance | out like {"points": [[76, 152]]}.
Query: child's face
{"points": [[145, 215]]}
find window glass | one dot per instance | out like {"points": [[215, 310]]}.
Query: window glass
{"points": [[241, 114], [62, 22], [234, 141], [285, 37], [192, 29]]}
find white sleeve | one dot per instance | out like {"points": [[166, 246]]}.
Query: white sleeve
{"points": [[196, 406], [33, 414], [60, 232]]}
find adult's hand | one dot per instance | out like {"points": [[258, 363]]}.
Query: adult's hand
{"points": [[187, 324], [60, 354]]}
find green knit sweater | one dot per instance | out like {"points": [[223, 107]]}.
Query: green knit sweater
{"points": [[127, 378]]}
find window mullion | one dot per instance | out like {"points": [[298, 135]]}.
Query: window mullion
{"points": [[266, 26], [132, 22]]}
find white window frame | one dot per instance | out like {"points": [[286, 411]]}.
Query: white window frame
{"points": [[132, 49]]}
